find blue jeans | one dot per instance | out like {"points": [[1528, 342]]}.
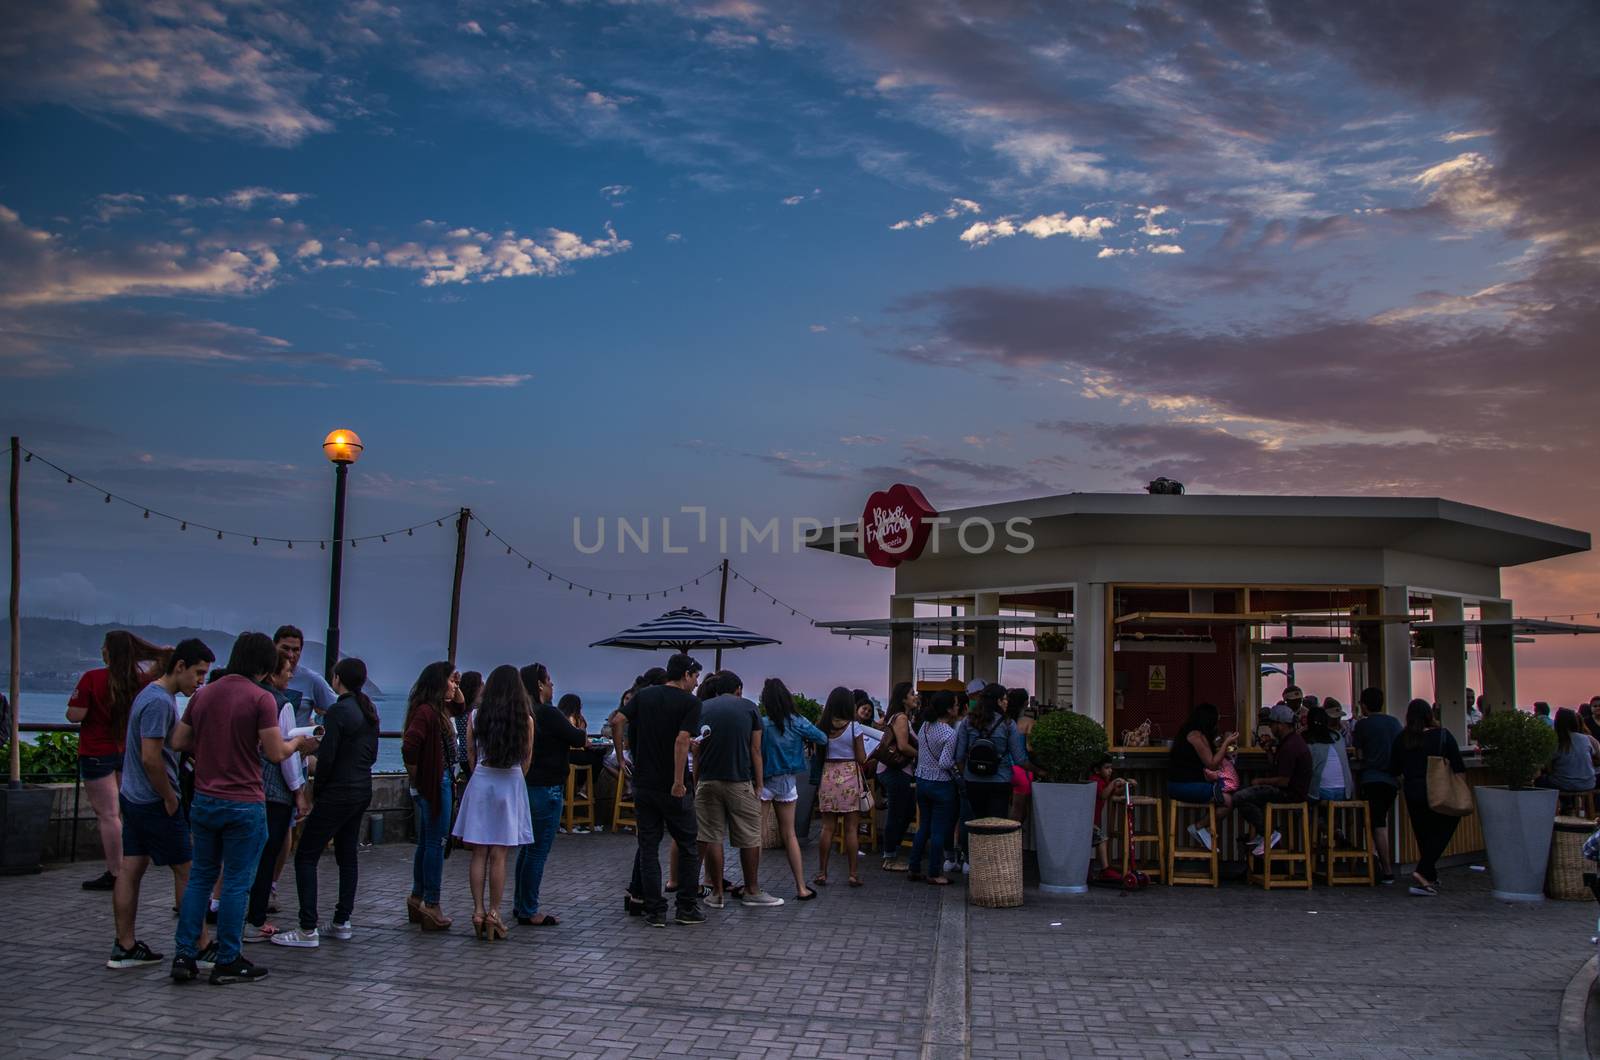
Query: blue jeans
{"points": [[228, 837], [427, 867], [545, 805], [936, 803], [1192, 790]]}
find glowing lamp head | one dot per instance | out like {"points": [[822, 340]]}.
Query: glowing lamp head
{"points": [[342, 446]]}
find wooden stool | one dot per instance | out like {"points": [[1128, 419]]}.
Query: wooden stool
{"points": [[1359, 852], [1132, 842], [866, 831], [1289, 863], [1180, 850], [623, 813], [579, 811], [1580, 804]]}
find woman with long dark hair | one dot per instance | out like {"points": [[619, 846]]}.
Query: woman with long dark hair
{"points": [[555, 738], [99, 705], [471, 689], [494, 810], [897, 760], [426, 749], [1420, 740], [784, 734], [1571, 769], [344, 790], [988, 748], [936, 788], [843, 783]]}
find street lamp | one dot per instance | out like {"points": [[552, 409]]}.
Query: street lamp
{"points": [[343, 448]]}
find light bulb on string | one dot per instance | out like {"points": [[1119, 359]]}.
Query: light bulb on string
{"points": [[28, 459], [108, 498], [438, 522], [530, 564], [291, 544], [352, 542], [219, 535], [591, 592], [384, 538], [183, 526], [410, 534], [486, 532], [322, 546], [256, 541], [147, 513], [69, 480]]}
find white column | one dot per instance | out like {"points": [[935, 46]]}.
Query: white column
{"points": [[902, 642], [986, 667], [1396, 674], [1090, 681], [1450, 667], [1498, 653]]}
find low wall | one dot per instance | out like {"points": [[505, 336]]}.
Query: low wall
{"points": [[388, 819]]}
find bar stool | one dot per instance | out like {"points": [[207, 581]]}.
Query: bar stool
{"points": [[1581, 804], [579, 810], [1352, 812], [866, 831], [623, 812], [1177, 850], [1289, 864], [1132, 842]]}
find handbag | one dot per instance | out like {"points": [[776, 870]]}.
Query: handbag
{"points": [[865, 804], [888, 750], [1448, 793]]}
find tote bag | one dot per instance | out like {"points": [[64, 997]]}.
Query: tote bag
{"points": [[1448, 793]]}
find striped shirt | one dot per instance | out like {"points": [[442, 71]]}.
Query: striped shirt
{"points": [[936, 752]]}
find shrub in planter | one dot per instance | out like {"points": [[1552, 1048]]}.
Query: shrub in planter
{"points": [[1516, 745], [53, 757], [1064, 746], [1050, 642], [809, 708]]}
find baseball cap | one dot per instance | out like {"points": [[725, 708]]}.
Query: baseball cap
{"points": [[1281, 714], [1334, 708], [976, 686], [1292, 692]]}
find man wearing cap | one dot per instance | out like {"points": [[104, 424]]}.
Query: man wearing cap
{"points": [[662, 720], [1289, 782]]}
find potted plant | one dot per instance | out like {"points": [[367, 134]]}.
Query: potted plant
{"points": [[1050, 642], [25, 810], [1517, 818], [1064, 747]]}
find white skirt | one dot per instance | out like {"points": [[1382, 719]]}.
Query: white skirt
{"points": [[494, 809]]}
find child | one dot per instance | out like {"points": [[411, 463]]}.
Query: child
{"points": [[1226, 779], [1104, 785]]}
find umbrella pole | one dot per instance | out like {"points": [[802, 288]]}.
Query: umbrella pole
{"points": [[722, 607]]}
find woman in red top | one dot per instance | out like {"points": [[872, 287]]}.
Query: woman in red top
{"points": [[427, 748], [99, 705]]}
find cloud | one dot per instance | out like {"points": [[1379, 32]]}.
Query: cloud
{"points": [[674, 237], [247, 198], [187, 64], [493, 382], [469, 255], [471, 29], [956, 208], [616, 192], [1115, 252], [1164, 248], [1052, 159], [44, 269], [863, 439], [817, 329], [1149, 225], [1044, 226]]}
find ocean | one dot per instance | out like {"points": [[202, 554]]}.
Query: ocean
{"points": [[51, 708]]}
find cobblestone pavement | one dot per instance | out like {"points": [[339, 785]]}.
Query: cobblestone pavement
{"points": [[1166, 973]]}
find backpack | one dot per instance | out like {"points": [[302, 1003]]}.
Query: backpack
{"points": [[985, 755]]}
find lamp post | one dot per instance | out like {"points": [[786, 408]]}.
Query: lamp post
{"points": [[343, 448]]}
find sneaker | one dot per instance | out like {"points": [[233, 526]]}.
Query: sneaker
{"points": [[761, 898], [561, 829], [1261, 847], [103, 882], [1200, 835], [1386, 878], [207, 958], [656, 919], [950, 866], [582, 830], [690, 917], [238, 970], [257, 934], [304, 938], [135, 956], [343, 932], [184, 970], [716, 901], [966, 868], [1420, 891]]}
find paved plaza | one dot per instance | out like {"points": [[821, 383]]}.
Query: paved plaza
{"points": [[1166, 973]]}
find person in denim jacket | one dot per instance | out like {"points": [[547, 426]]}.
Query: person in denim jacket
{"points": [[784, 734]]}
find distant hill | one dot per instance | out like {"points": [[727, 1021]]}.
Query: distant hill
{"points": [[56, 651]]}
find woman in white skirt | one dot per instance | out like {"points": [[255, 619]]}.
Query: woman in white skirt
{"points": [[494, 814]]}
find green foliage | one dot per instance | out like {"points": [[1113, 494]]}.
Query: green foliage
{"points": [[1050, 641], [1064, 746], [1516, 745], [54, 757], [810, 708]]}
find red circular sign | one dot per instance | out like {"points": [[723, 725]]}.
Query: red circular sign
{"points": [[896, 525]]}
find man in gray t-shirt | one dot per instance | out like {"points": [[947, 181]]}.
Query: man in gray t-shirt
{"points": [[725, 751], [154, 713], [727, 778]]}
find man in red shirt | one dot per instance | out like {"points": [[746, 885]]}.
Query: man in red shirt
{"points": [[227, 722]]}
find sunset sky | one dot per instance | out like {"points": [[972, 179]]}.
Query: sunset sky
{"points": [[557, 260]]}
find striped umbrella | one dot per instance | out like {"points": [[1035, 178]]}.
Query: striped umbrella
{"points": [[683, 630]]}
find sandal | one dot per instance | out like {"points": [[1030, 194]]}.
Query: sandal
{"points": [[855, 881], [820, 879], [496, 926], [938, 881], [548, 921], [805, 897], [478, 927]]}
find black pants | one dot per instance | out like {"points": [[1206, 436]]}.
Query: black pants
{"points": [[1432, 831], [902, 803], [658, 812], [341, 822], [279, 814], [1252, 802]]}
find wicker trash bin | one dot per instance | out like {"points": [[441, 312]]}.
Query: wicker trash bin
{"points": [[995, 847], [771, 834], [1564, 878]]}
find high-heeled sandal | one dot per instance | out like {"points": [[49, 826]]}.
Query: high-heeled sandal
{"points": [[497, 927], [433, 919], [480, 927], [413, 910]]}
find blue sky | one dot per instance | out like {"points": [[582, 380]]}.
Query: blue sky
{"points": [[580, 259]]}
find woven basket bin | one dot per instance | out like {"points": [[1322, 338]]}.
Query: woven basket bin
{"points": [[771, 835], [995, 847], [1564, 878]]}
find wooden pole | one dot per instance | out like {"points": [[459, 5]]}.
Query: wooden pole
{"points": [[336, 573], [455, 590], [16, 617], [722, 609]]}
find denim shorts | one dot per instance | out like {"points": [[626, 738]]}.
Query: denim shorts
{"points": [[780, 788], [148, 832], [93, 767]]}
